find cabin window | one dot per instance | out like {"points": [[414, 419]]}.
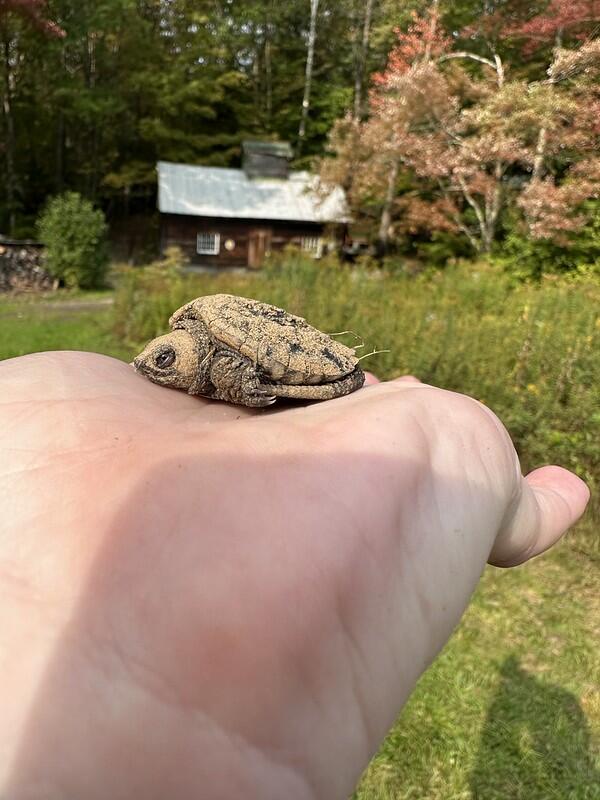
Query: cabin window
{"points": [[208, 244], [312, 244]]}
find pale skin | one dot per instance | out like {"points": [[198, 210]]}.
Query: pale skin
{"points": [[202, 600]]}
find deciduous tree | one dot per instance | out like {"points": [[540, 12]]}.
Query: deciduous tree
{"points": [[468, 142]]}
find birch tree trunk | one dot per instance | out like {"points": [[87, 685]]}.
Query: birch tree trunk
{"points": [[9, 125], [310, 57], [361, 61], [268, 82], [385, 221], [434, 12], [540, 149]]}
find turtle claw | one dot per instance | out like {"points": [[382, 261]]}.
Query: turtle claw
{"points": [[262, 398]]}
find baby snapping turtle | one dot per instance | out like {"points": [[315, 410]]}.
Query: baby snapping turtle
{"points": [[250, 353]]}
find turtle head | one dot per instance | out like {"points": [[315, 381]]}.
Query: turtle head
{"points": [[170, 360]]}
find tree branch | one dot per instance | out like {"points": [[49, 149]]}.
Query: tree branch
{"points": [[458, 221], [465, 54], [496, 64], [474, 205]]}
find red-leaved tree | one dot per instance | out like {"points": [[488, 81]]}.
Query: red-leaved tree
{"points": [[565, 167], [466, 145]]}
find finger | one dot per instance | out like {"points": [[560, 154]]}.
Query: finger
{"points": [[371, 379], [406, 379], [551, 500]]}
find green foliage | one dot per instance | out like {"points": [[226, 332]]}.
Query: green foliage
{"points": [[75, 237], [528, 350], [134, 82], [525, 257]]}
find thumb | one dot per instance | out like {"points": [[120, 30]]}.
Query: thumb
{"points": [[550, 501]]}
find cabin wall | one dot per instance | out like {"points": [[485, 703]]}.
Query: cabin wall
{"points": [[181, 231]]}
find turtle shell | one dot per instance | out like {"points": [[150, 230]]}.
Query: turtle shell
{"points": [[285, 347]]}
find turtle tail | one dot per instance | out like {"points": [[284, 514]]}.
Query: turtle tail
{"points": [[319, 391]]}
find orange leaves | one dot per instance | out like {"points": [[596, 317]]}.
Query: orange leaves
{"points": [[418, 215], [560, 17], [554, 210], [424, 40], [466, 145]]}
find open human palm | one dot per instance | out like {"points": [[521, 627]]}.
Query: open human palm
{"points": [[201, 600]]}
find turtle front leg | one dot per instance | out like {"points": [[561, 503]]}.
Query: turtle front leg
{"points": [[236, 380]]}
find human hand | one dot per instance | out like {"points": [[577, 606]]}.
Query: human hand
{"points": [[201, 600]]}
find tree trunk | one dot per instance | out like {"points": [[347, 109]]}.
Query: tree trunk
{"points": [[256, 83], [434, 12], [59, 170], [93, 174], [386, 212], [268, 82], [361, 61], [540, 152], [9, 149], [310, 57], [540, 149]]}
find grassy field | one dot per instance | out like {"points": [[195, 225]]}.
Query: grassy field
{"points": [[511, 707], [530, 352], [58, 322]]}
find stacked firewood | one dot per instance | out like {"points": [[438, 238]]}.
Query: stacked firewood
{"points": [[21, 268]]}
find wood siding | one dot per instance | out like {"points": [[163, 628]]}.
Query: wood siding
{"points": [[181, 231]]}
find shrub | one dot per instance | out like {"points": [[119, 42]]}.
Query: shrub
{"points": [[524, 257], [75, 237]]}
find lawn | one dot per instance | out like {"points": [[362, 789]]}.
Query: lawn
{"points": [[511, 707], [58, 322]]}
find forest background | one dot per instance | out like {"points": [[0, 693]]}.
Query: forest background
{"points": [[457, 128]]}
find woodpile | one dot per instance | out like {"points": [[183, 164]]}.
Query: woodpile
{"points": [[21, 268]]}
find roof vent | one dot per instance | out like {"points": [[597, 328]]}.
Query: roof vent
{"points": [[266, 159]]}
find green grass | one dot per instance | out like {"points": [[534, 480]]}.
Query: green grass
{"points": [[30, 325], [510, 710], [511, 707]]}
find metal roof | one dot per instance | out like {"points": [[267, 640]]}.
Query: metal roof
{"points": [[222, 192]]}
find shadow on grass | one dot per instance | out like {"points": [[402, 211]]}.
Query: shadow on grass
{"points": [[535, 743]]}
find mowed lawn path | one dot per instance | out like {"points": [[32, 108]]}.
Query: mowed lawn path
{"points": [[510, 710]]}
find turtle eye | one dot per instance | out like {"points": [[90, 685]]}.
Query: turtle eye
{"points": [[165, 358]]}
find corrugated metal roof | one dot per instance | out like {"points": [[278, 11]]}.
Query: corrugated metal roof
{"points": [[221, 192]]}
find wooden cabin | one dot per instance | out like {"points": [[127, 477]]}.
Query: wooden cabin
{"points": [[235, 217]]}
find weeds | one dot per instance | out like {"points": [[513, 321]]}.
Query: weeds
{"points": [[529, 351]]}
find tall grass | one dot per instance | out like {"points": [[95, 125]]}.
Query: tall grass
{"points": [[529, 351]]}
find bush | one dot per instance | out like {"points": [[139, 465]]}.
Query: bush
{"points": [[525, 258], [75, 237]]}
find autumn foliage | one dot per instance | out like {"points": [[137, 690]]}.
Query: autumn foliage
{"points": [[457, 139], [560, 18]]}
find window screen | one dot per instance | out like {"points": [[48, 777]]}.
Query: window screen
{"points": [[312, 244], [208, 244]]}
